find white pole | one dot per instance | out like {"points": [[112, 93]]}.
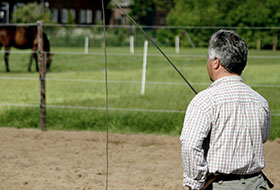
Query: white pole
{"points": [[86, 45], [144, 67], [131, 39], [177, 42]]}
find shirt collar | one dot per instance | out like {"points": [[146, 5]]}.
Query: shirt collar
{"points": [[225, 80]]}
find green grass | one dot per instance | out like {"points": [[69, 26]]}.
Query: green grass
{"points": [[88, 89]]}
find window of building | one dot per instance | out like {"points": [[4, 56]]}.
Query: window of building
{"points": [[73, 13], [82, 16], [64, 16], [54, 15], [98, 16], [17, 5], [122, 19], [4, 12], [89, 16]]}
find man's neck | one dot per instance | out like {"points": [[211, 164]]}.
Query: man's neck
{"points": [[224, 74]]}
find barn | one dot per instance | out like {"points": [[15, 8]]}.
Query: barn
{"points": [[83, 11]]}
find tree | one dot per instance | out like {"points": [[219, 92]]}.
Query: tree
{"points": [[31, 13], [144, 10], [201, 13], [228, 13], [274, 12], [140, 9], [274, 19]]}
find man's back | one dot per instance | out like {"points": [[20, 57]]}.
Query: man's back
{"points": [[239, 118]]}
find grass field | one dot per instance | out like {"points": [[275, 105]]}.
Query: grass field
{"points": [[76, 80]]}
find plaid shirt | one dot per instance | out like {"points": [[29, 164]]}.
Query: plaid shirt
{"points": [[224, 130]]}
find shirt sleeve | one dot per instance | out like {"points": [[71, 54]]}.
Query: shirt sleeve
{"points": [[197, 125], [266, 130]]}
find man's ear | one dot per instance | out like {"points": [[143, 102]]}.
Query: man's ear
{"points": [[217, 63]]}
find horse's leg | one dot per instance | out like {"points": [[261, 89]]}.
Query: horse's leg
{"points": [[36, 61], [7, 52], [33, 56], [30, 62]]}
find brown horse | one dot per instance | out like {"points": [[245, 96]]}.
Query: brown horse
{"points": [[23, 37]]}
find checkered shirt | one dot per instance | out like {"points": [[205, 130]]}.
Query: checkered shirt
{"points": [[224, 130]]}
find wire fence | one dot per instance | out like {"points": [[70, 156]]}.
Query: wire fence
{"points": [[186, 55], [129, 82], [76, 77], [118, 35], [103, 108]]}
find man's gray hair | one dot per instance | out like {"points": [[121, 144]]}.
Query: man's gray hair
{"points": [[230, 49]]}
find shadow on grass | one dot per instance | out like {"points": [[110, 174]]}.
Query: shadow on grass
{"points": [[120, 122]]}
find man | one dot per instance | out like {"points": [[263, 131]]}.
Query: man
{"points": [[225, 125]]}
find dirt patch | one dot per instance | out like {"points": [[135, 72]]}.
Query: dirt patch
{"points": [[31, 159]]}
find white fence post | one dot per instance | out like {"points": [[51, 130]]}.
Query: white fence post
{"points": [[144, 67], [131, 40], [86, 45], [177, 44]]}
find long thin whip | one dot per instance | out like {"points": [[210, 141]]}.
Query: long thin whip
{"points": [[134, 22], [107, 104]]}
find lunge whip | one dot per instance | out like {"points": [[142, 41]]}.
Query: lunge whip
{"points": [[106, 76], [154, 43]]}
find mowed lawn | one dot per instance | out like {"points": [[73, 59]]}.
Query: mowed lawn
{"points": [[76, 89]]}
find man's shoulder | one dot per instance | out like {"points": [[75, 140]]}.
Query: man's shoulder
{"points": [[202, 102], [259, 97], [203, 97]]}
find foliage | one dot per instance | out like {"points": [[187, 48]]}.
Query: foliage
{"points": [[121, 36], [70, 18], [228, 13], [144, 10], [221, 13], [141, 8], [31, 13], [166, 37], [225, 13]]}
